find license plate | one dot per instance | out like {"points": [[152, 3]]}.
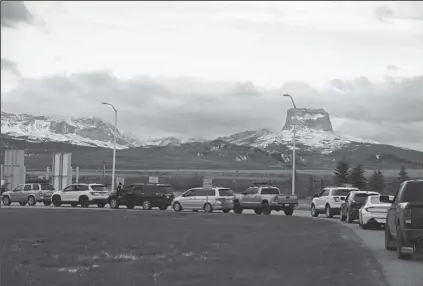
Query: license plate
{"points": [[286, 205]]}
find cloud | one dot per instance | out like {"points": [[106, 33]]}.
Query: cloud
{"points": [[404, 10], [392, 68], [15, 12], [387, 111], [7, 65]]}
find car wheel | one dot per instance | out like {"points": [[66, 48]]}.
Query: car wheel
{"points": [[31, 201], [101, 205], [146, 205], [177, 207], [208, 208], [258, 211], [226, 211], [267, 210], [57, 201], [328, 211], [85, 203], [47, 203], [389, 242], [6, 201], [289, 211], [313, 211], [114, 204], [400, 244], [238, 208]]}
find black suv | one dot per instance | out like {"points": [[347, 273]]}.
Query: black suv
{"points": [[146, 195]]}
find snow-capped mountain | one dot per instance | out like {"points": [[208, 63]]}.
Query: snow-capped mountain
{"points": [[91, 131]]}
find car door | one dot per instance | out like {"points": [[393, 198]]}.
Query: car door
{"points": [[246, 197], [202, 197], [321, 199], [66, 193], [27, 189], [254, 197], [187, 199], [392, 212], [141, 193], [125, 193], [16, 194]]}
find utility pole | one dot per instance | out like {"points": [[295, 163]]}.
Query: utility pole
{"points": [[293, 148]]}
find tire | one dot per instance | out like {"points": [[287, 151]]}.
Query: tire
{"points": [[57, 201], [31, 201], [389, 242], [289, 211], [258, 211], [238, 208], [6, 201], [349, 219], [313, 211], [266, 209], [47, 203], [400, 243], [163, 208], [208, 208], [146, 205], [328, 211], [114, 204], [226, 211], [85, 203], [101, 205], [22, 204], [177, 207]]}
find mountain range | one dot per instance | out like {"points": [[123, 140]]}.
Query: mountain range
{"points": [[91, 141]]}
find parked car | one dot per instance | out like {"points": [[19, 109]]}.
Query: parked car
{"points": [[264, 198], [29, 194], [81, 194], [217, 198], [329, 201], [373, 212], [404, 221], [146, 195], [353, 202]]}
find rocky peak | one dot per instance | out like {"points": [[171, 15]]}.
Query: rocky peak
{"points": [[317, 119]]}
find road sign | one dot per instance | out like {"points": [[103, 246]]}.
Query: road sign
{"points": [[153, 180], [207, 184]]}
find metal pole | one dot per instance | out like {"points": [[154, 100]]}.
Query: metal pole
{"points": [[114, 151], [293, 147]]}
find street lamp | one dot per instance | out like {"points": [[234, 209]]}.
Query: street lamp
{"points": [[293, 148], [114, 144]]}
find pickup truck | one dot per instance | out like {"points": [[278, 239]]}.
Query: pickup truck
{"points": [[404, 220], [263, 199]]}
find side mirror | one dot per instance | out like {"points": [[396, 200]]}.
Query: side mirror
{"points": [[385, 199]]}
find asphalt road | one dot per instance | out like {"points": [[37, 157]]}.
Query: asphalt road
{"points": [[60, 246]]}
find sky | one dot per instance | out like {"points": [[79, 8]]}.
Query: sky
{"points": [[208, 69]]}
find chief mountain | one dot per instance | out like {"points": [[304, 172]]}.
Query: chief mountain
{"points": [[90, 140]]}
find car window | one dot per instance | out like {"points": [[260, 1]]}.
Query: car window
{"points": [[18, 188], [254, 191], [27, 188], [83, 188], [196, 192], [270, 191], [99, 188], [35, 187], [205, 193], [189, 193], [413, 192], [341, 192], [47, 187], [68, 188], [360, 198], [374, 199], [325, 192], [225, 192]]}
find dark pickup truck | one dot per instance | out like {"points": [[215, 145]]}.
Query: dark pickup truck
{"points": [[404, 221]]}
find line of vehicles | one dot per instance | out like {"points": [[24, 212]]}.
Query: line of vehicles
{"points": [[401, 215]]}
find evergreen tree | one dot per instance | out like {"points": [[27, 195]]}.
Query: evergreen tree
{"points": [[377, 182], [357, 178], [402, 175], [342, 171]]}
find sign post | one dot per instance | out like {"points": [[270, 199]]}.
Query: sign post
{"points": [[207, 184]]}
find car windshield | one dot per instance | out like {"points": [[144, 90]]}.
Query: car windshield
{"points": [[225, 192], [375, 200], [342, 192], [270, 191], [99, 188], [47, 187], [360, 198], [413, 192]]}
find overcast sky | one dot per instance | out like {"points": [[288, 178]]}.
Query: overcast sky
{"points": [[209, 69]]}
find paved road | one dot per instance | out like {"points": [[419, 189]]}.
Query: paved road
{"points": [[56, 246], [404, 273]]}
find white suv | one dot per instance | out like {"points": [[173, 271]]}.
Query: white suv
{"points": [[83, 194], [329, 201]]}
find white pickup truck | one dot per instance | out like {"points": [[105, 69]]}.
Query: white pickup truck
{"points": [[263, 199]]}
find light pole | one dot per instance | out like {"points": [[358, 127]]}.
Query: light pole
{"points": [[293, 148], [114, 144]]}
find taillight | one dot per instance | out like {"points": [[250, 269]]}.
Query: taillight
{"points": [[407, 216]]}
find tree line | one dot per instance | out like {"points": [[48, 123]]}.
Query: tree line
{"points": [[354, 175]]}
